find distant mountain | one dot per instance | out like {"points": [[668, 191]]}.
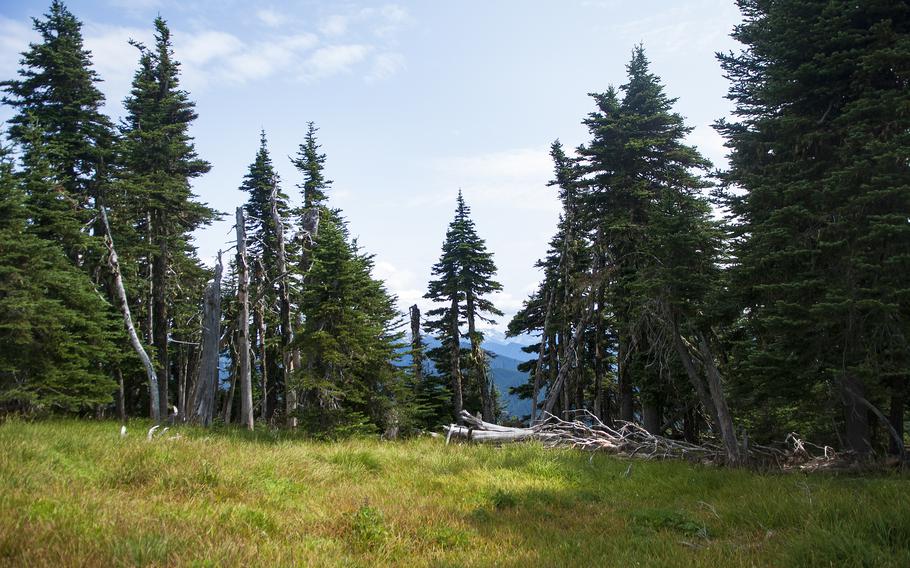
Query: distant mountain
{"points": [[504, 367]]}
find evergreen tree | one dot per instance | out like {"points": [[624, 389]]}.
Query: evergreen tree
{"points": [[57, 94], [311, 164], [159, 160], [821, 245], [463, 279], [57, 336]]}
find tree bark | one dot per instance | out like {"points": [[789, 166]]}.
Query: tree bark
{"points": [[556, 389], [626, 395], [855, 415], [284, 308], [160, 325], [715, 387], [896, 418], [114, 265], [243, 325], [207, 379], [479, 363], [416, 345], [121, 397], [541, 355], [455, 356]]}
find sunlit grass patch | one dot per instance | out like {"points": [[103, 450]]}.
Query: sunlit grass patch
{"points": [[75, 493]]}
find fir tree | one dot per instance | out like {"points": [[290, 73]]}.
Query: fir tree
{"points": [[57, 336], [159, 160], [820, 237], [463, 280]]}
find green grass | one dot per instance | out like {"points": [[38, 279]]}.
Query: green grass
{"points": [[75, 494]]}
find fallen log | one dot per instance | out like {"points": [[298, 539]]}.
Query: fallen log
{"points": [[630, 440]]}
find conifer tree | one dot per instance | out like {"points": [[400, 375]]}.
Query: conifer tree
{"points": [[820, 239], [57, 94], [58, 338], [159, 160], [463, 280]]}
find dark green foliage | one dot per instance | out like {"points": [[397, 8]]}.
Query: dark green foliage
{"points": [[57, 336], [463, 278], [821, 241], [56, 94], [349, 337], [311, 164]]}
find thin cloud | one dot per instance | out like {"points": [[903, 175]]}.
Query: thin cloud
{"points": [[270, 17], [384, 66], [334, 59], [334, 26]]}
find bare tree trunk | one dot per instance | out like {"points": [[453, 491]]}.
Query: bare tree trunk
{"points": [[114, 265], [564, 365], [182, 363], [715, 386], [626, 395], [599, 409], [651, 416], [259, 323], [284, 302], [207, 379], [243, 325]]}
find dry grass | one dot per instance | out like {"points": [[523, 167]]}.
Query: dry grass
{"points": [[73, 493]]}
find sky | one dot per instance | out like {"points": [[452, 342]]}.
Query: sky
{"points": [[413, 100]]}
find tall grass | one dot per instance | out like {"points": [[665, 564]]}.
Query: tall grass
{"points": [[75, 494]]}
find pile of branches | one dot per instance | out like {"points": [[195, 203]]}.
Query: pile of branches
{"points": [[629, 440]]}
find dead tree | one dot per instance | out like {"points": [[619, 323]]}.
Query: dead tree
{"points": [[284, 303], [114, 265], [243, 325], [207, 379]]}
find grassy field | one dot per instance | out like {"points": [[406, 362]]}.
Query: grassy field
{"points": [[75, 494]]}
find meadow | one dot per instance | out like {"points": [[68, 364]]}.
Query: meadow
{"points": [[73, 493]]}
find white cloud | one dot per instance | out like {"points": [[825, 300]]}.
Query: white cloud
{"points": [[263, 59], [387, 20], [335, 25], [334, 59], [200, 48], [270, 17], [384, 66], [14, 39]]}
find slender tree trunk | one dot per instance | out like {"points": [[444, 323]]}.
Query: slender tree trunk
{"points": [[121, 397], [243, 325], [715, 387], [284, 308], [651, 415], [455, 356], [207, 379], [564, 365], [161, 325], [538, 371], [479, 363], [182, 363], [856, 415], [416, 345], [599, 359], [114, 265], [259, 323], [896, 416], [626, 395]]}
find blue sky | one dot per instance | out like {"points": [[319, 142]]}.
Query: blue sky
{"points": [[414, 101]]}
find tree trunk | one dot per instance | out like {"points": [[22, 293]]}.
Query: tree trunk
{"points": [[416, 345], [259, 324], [114, 265], [715, 386], [855, 415], [207, 379], [564, 365], [652, 416], [243, 325], [284, 303], [479, 363], [160, 325], [121, 397], [704, 396], [538, 371], [626, 400], [896, 417], [455, 355]]}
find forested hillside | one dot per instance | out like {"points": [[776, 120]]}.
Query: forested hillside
{"points": [[734, 303]]}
